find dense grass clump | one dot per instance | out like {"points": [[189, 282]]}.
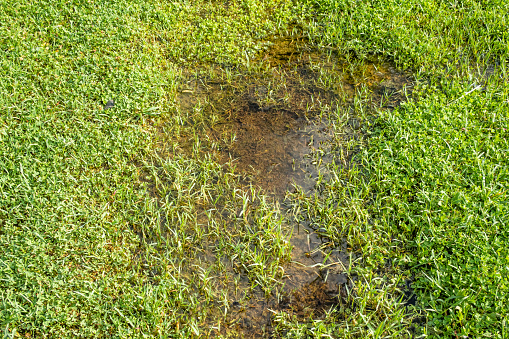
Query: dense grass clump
{"points": [[440, 173], [424, 35]]}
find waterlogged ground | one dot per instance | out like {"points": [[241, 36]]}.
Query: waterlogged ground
{"points": [[251, 168], [271, 127]]}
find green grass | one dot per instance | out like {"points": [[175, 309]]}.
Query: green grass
{"points": [[71, 197], [110, 227], [430, 191], [423, 35], [442, 183]]}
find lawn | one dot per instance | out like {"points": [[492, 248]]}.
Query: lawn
{"points": [[128, 221]]}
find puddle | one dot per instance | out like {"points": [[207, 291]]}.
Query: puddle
{"points": [[267, 126], [309, 290], [271, 143]]}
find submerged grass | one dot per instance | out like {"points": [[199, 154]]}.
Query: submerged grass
{"points": [[103, 236]]}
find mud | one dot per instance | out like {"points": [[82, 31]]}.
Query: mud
{"points": [[271, 142], [268, 127], [312, 286]]}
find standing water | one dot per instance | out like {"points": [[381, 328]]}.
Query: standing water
{"points": [[271, 128]]}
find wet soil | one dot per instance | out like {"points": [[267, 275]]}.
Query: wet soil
{"points": [[269, 127], [312, 286], [271, 142]]}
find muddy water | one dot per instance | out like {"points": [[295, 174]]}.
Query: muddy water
{"points": [[272, 145], [269, 128]]}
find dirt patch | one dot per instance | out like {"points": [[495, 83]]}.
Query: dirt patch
{"points": [[311, 300]]}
